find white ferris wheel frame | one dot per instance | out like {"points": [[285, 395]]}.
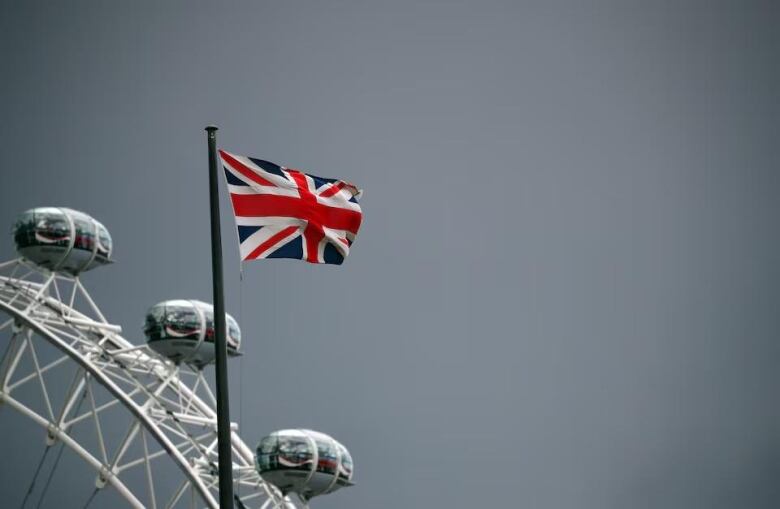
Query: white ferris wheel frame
{"points": [[41, 305]]}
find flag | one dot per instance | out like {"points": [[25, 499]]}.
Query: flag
{"points": [[285, 213]]}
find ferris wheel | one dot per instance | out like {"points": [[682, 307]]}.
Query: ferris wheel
{"points": [[143, 419]]}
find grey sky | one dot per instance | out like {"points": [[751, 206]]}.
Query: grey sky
{"points": [[565, 290]]}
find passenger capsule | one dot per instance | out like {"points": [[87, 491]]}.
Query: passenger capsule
{"points": [[183, 331], [304, 462], [61, 239]]}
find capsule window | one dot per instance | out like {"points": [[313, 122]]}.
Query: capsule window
{"points": [[234, 333], [182, 322], [25, 229], [345, 468], [85, 233], [104, 242], [328, 457], [210, 334], [294, 453], [154, 328], [267, 451], [47, 227]]}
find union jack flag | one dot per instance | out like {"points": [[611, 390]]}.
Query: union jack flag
{"points": [[285, 213]]}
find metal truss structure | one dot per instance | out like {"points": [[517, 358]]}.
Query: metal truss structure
{"points": [[54, 332]]}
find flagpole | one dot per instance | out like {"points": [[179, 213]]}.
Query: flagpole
{"points": [[220, 345]]}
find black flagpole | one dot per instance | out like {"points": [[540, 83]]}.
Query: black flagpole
{"points": [[223, 406]]}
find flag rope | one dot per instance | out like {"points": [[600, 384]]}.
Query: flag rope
{"points": [[240, 358]]}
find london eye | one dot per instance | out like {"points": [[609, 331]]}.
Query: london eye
{"points": [[70, 371]]}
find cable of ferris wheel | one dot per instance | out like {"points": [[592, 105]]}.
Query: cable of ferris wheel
{"points": [[40, 465], [91, 498], [35, 476], [57, 460], [8, 350], [51, 475]]}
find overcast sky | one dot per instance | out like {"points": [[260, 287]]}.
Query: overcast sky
{"points": [[565, 290]]}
